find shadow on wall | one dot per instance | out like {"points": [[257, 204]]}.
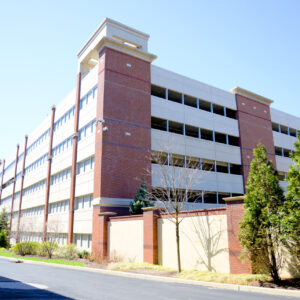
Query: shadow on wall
{"points": [[209, 232], [12, 289], [293, 266]]}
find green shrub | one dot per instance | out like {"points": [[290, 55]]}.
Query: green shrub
{"points": [[3, 239], [26, 248], [68, 251], [49, 248], [83, 254]]}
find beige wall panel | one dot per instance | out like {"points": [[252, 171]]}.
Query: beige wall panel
{"points": [[125, 240], [195, 233]]}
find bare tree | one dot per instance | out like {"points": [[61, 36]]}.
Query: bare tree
{"points": [[175, 179]]}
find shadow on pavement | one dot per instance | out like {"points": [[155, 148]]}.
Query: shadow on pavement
{"points": [[12, 289]]}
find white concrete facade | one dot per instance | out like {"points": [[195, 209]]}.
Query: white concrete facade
{"points": [[226, 154]]}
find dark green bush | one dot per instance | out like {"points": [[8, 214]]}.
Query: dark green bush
{"points": [[3, 239], [83, 254]]}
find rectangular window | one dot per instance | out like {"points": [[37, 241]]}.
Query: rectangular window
{"points": [[160, 158], [230, 113], [174, 96], [218, 109], [206, 134], [208, 165], [192, 162], [175, 127], [293, 132], [221, 196], [233, 140], [220, 137], [222, 167], [190, 101], [191, 131], [235, 169], [286, 152], [284, 129], [158, 91], [281, 176], [204, 105], [278, 151], [210, 197], [195, 196], [159, 124], [176, 160]]}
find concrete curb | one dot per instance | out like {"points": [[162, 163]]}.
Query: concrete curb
{"points": [[234, 287]]}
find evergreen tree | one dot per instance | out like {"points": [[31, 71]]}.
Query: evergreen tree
{"points": [[4, 220], [260, 228], [291, 210], [141, 200]]}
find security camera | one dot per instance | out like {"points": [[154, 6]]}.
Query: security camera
{"points": [[105, 128]]}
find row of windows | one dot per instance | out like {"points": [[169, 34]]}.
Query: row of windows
{"points": [[192, 196], [9, 167], [83, 202], [183, 161], [174, 96], [34, 188], [62, 120], [91, 95], [33, 211], [192, 131], [85, 165], [38, 141], [36, 164], [59, 207], [284, 129], [282, 151], [6, 200], [83, 241], [87, 130], [84, 132]]}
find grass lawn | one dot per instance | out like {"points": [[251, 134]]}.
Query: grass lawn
{"points": [[47, 260], [242, 279]]}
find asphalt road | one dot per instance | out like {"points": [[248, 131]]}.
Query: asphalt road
{"points": [[30, 281]]}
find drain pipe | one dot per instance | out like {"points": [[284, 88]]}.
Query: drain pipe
{"points": [[48, 175], [21, 189]]}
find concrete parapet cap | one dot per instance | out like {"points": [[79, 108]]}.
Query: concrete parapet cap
{"points": [[237, 198], [152, 208], [251, 95], [108, 214]]}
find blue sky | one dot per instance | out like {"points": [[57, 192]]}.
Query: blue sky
{"points": [[254, 44]]}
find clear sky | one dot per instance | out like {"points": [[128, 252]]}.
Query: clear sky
{"points": [[254, 44]]}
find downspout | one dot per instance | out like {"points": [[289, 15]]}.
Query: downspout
{"points": [[3, 171], [21, 189], [48, 175], [74, 161], [14, 187]]}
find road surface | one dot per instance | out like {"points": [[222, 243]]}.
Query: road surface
{"points": [[32, 281]]}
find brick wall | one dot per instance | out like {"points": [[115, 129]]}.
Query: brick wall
{"points": [[235, 211], [255, 126]]}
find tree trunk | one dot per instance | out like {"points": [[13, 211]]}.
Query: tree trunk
{"points": [[178, 244], [273, 262]]}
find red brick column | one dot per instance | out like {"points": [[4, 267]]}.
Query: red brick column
{"points": [[235, 211], [99, 242], [151, 214], [255, 125]]}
